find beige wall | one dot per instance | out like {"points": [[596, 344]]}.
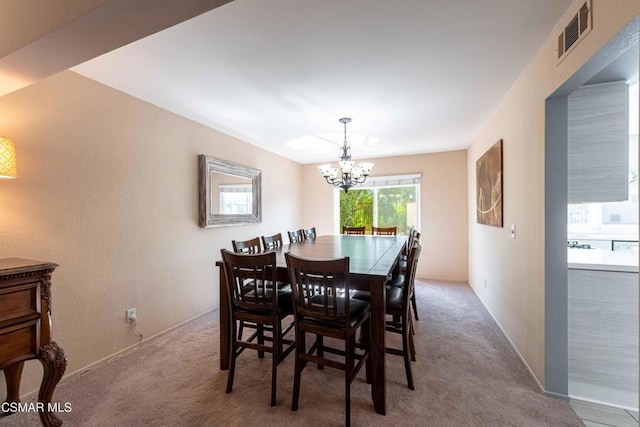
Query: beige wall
{"points": [[514, 269], [107, 188], [443, 207]]}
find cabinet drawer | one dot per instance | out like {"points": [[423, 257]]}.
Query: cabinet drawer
{"points": [[19, 301], [19, 341]]}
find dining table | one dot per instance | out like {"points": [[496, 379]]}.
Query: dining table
{"points": [[372, 260]]}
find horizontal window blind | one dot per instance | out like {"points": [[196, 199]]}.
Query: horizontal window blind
{"points": [[390, 181], [235, 188]]}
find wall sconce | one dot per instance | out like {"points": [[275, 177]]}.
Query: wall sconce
{"points": [[7, 158]]}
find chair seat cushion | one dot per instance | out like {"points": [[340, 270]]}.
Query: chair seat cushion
{"points": [[394, 297], [397, 280], [281, 285], [285, 300], [358, 310]]}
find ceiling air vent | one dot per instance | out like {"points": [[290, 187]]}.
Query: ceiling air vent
{"points": [[578, 27]]}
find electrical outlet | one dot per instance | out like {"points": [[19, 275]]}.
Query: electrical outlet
{"points": [[485, 284], [131, 315]]}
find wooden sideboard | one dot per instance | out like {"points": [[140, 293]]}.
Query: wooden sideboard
{"points": [[25, 329]]}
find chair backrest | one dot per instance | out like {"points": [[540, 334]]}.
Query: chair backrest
{"points": [[250, 279], [410, 274], [309, 233], [385, 231], [251, 246], [272, 242], [414, 236], [353, 230], [319, 288], [296, 236]]}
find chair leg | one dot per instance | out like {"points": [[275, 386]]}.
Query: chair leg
{"points": [[240, 330], [320, 340], [232, 357], [415, 307], [412, 347], [365, 339], [260, 340], [347, 392], [276, 350], [348, 368], [300, 348], [405, 350]]}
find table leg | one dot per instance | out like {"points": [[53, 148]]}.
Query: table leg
{"points": [[378, 347], [54, 363], [225, 327], [12, 375]]}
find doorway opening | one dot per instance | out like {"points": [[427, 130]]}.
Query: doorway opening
{"points": [[567, 346]]}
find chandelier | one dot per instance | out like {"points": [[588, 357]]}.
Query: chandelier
{"points": [[348, 174]]}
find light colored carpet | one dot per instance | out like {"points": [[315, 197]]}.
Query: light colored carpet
{"points": [[466, 374]]}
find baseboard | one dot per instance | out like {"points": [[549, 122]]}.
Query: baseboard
{"points": [[513, 346], [556, 395], [113, 356], [440, 279], [601, 403]]}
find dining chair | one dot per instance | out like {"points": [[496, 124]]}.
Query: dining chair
{"points": [[272, 242], [385, 231], [414, 236], [399, 292], [322, 307], [353, 230], [296, 236], [261, 303], [251, 246], [309, 233]]}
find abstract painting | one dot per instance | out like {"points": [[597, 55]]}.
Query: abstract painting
{"points": [[489, 186]]}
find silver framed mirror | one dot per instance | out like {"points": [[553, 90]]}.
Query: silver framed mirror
{"points": [[229, 193]]}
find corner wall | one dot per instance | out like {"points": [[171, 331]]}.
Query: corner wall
{"points": [[514, 269], [107, 188], [443, 207]]}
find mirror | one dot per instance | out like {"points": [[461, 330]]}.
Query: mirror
{"points": [[229, 193]]}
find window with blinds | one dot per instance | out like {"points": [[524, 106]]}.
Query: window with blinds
{"points": [[382, 201]]}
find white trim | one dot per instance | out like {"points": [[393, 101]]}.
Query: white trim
{"points": [[522, 359], [336, 211], [599, 402], [28, 395]]}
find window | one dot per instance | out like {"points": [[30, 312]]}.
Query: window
{"points": [[617, 217], [236, 198], [391, 201]]}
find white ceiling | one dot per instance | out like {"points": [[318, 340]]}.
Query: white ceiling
{"points": [[416, 76]]}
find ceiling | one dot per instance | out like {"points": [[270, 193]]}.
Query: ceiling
{"points": [[416, 76]]}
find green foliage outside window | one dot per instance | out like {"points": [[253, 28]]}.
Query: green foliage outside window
{"points": [[395, 206], [392, 207], [356, 209]]}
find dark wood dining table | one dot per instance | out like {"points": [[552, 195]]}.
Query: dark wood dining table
{"points": [[371, 263]]}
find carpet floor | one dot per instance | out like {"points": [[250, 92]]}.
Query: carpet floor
{"points": [[466, 374]]}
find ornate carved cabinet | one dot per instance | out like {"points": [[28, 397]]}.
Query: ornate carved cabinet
{"points": [[25, 329]]}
